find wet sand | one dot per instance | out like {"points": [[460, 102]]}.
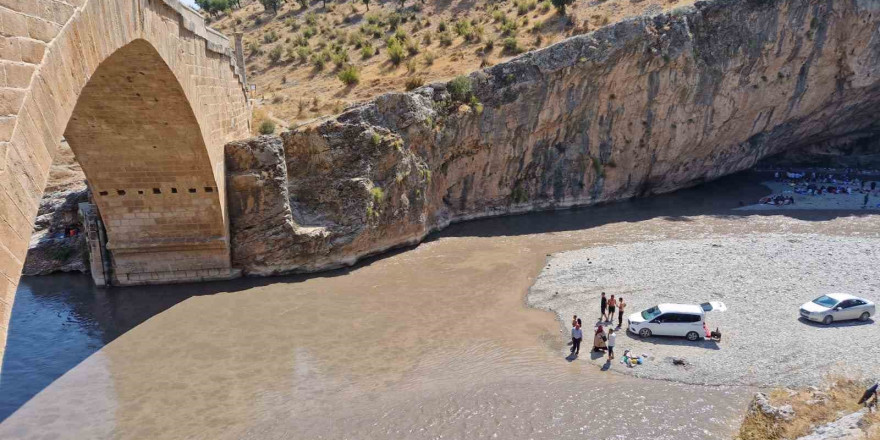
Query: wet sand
{"points": [[428, 342]]}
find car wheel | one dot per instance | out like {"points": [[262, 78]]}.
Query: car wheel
{"points": [[827, 320], [692, 336], [645, 333], [864, 316]]}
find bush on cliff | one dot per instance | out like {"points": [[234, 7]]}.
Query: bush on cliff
{"points": [[460, 88], [267, 127]]}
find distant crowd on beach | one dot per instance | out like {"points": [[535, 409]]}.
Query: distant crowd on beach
{"points": [[602, 341], [822, 181]]}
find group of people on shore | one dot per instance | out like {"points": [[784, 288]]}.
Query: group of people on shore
{"points": [[602, 340], [817, 182]]}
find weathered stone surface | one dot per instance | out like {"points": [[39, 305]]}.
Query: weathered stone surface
{"points": [[645, 106], [50, 249], [148, 96], [761, 405], [847, 427]]}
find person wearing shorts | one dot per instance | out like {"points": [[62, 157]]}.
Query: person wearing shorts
{"points": [[612, 306]]}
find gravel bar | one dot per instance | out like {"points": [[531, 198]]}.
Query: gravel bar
{"points": [[763, 280]]}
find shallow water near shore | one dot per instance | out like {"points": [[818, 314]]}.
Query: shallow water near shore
{"points": [[428, 342]]}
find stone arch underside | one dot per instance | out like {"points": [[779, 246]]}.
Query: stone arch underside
{"points": [[52, 53], [144, 157]]}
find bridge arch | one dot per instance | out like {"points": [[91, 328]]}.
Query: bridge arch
{"points": [[147, 96]]}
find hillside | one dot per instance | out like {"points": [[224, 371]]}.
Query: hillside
{"points": [[438, 40]]}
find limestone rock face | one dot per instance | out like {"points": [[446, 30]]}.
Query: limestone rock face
{"points": [[645, 106], [50, 249]]}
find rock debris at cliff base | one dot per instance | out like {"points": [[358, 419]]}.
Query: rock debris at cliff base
{"points": [[763, 280]]}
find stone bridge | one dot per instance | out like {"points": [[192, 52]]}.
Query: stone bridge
{"points": [[147, 96]]}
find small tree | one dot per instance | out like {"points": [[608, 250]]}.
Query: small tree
{"points": [[367, 3], [561, 4], [271, 4]]}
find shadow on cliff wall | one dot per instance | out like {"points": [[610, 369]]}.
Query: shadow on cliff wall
{"points": [[60, 320]]}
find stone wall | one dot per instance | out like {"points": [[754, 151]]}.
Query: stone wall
{"points": [[157, 116], [645, 106]]}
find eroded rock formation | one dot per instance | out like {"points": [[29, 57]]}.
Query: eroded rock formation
{"points": [[645, 106]]}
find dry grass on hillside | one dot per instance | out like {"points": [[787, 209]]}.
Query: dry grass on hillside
{"points": [[439, 39], [840, 398], [299, 57]]}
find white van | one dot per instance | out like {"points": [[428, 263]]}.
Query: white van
{"points": [[686, 320]]}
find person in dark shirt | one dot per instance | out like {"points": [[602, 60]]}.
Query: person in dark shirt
{"points": [[604, 308]]}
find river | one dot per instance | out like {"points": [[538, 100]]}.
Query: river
{"points": [[432, 341]]}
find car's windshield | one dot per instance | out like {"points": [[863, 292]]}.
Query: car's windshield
{"points": [[651, 313], [825, 301]]}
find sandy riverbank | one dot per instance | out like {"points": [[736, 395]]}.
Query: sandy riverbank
{"points": [[763, 279]]}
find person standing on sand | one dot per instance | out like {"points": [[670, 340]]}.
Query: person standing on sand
{"points": [[612, 338], [612, 306], [620, 305], [603, 307], [574, 320], [576, 337]]}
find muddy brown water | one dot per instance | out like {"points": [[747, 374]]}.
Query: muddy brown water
{"points": [[429, 342]]}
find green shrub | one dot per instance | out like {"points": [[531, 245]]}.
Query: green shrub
{"points": [[393, 20], [339, 58], [270, 37], [464, 28], [275, 53], [303, 53], [460, 88], [545, 6], [367, 51], [441, 27], [395, 51], [311, 18], [349, 75], [267, 127], [412, 47], [511, 45], [429, 58], [319, 61], [445, 39], [414, 82]]}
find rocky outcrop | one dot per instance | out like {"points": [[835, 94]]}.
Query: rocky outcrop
{"points": [[848, 427], [860, 152], [51, 248], [645, 106]]}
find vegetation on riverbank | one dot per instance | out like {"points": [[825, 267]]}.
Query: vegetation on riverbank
{"points": [[810, 408]]}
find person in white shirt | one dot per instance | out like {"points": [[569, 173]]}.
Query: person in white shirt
{"points": [[576, 337], [612, 337]]}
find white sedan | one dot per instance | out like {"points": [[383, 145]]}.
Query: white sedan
{"points": [[837, 307]]}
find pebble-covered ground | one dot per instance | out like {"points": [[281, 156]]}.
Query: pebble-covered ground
{"points": [[763, 279]]}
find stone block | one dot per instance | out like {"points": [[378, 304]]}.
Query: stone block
{"points": [[13, 24], [17, 75], [10, 101]]}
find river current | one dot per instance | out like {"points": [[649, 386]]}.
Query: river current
{"points": [[433, 341]]}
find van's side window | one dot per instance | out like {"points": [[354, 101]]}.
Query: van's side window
{"points": [[691, 318]]}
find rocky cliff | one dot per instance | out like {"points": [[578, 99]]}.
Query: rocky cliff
{"points": [[645, 106]]}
